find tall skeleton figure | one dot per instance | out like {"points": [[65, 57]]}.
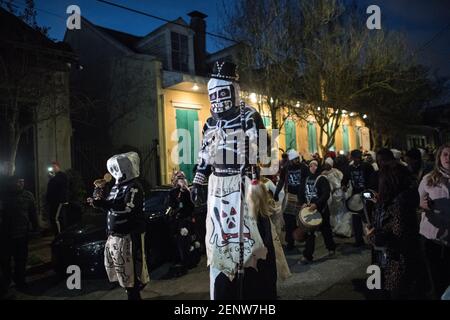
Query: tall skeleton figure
{"points": [[124, 250], [220, 158]]}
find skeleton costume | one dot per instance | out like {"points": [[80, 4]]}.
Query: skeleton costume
{"points": [[125, 260], [222, 154]]}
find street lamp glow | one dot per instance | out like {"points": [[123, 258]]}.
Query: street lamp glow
{"points": [[195, 87], [352, 114], [341, 152], [344, 111], [318, 108], [271, 100], [253, 97], [297, 104], [365, 116], [49, 169]]}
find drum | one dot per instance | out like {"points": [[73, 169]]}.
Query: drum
{"points": [[309, 219], [355, 204]]}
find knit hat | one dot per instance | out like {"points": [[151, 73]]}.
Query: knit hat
{"points": [[329, 161]]}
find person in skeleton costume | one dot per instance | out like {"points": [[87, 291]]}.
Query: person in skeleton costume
{"points": [[124, 250], [222, 155]]}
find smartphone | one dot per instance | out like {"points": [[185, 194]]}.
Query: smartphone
{"points": [[368, 195]]}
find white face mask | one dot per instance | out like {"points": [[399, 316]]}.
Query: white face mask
{"points": [[124, 167], [223, 95]]}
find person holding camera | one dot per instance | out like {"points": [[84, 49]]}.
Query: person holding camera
{"points": [[394, 230], [434, 190]]}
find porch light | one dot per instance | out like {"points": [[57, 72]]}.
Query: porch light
{"points": [[195, 87]]}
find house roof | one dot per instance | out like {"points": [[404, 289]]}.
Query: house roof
{"points": [[126, 39], [15, 32]]}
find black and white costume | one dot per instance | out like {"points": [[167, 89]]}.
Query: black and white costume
{"points": [[222, 154], [316, 189], [125, 260], [292, 177]]}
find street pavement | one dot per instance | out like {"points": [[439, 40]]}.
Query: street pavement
{"points": [[340, 277]]}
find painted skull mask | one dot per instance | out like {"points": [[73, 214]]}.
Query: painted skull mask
{"points": [[124, 167], [223, 95]]}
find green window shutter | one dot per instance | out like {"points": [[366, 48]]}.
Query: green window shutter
{"points": [[345, 138], [186, 119], [312, 138], [266, 121], [291, 140], [358, 138]]}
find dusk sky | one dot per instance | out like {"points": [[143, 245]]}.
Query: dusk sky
{"points": [[421, 20]]}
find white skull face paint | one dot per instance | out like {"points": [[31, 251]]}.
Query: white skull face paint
{"points": [[223, 95]]}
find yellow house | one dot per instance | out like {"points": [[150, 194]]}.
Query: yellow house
{"points": [[186, 108]]}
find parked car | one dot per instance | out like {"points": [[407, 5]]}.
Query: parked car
{"points": [[83, 244]]}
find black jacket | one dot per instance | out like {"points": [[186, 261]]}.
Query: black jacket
{"points": [[19, 215], [360, 177], [125, 208], [318, 188], [57, 189], [180, 201]]}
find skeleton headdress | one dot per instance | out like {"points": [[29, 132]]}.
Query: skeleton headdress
{"points": [[124, 167], [223, 89]]}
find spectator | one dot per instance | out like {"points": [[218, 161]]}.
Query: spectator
{"points": [[434, 190], [413, 159], [18, 219], [370, 158], [186, 242], [395, 229], [57, 195]]}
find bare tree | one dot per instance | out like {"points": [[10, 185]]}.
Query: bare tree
{"points": [[266, 62], [31, 84]]}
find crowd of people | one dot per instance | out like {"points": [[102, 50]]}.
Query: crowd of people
{"points": [[405, 220]]}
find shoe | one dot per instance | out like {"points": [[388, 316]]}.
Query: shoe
{"points": [[305, 261]]}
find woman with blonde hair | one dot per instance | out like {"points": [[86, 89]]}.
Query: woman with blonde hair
{"points": [[434, 190]]}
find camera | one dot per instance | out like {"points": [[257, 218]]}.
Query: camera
{"points": [[368, 195]]}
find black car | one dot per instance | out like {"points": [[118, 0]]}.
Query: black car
{"points": [[83, 244]]}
